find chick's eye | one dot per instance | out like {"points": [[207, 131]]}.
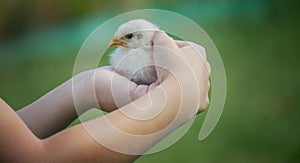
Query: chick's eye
{"points": [[129, 36]]}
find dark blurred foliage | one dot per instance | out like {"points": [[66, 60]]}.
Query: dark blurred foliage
{"points": [[18, 17], [257, 39]]}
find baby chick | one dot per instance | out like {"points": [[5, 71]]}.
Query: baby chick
{"points": [[134, 56]]}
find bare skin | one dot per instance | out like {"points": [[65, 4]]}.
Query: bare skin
{"points": [[55, 110], [21, 140]]}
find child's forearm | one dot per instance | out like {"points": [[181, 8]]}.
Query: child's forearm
{"points": [[94, 88], [50, 113], [120, 131]]}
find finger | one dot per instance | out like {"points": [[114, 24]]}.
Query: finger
{"points": [[208, 68], [208, 85], [152, 86], [106, 68], [181, 44], [162, 39], [205, 103], [199, 49], [139, 91]]}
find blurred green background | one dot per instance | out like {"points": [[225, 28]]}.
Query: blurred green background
{"points": [[258, 41]]}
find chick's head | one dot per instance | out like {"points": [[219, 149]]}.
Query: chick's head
{"points": [[134, 34]]}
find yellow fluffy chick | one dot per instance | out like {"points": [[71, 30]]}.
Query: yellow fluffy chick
{"points": [[134, 56]]}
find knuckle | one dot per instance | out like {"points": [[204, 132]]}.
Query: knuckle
{"points": [[199, 48], [205, 103], [208, 68]]}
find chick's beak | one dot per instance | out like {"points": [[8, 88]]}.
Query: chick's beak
{"points": [[116, 42]]}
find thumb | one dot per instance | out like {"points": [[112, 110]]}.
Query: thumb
{"points": [[162, 39], [164, 50]]}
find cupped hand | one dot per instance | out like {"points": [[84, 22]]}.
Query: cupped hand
{"points": [[114, 90], [106, 89], [186, 63]]}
